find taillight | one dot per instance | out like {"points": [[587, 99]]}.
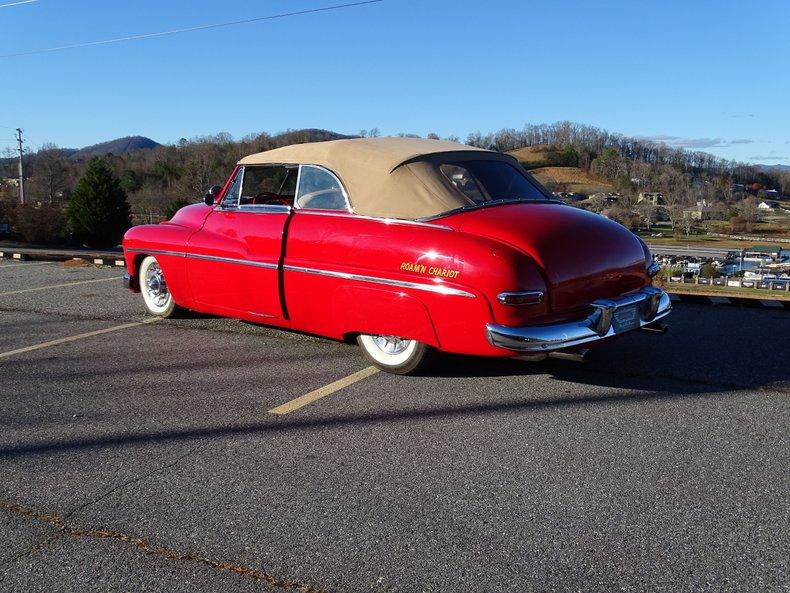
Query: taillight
{"points": [[524, 297]]}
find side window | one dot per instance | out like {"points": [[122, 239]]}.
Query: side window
{"points": [[269, 185], [320, 189], [231, 197]]}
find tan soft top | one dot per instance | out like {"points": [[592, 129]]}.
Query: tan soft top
{"points": [[386, 177]]}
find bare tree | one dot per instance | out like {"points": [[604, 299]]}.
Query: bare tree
{"points": [[648, 211], [50, 173]]}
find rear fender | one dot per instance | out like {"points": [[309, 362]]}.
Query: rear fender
{"points": [[382, 312]]}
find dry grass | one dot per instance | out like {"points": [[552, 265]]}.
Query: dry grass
{"points": [[727, 291], [531, 156], [77, 262], [573, 178], [705, 241]]}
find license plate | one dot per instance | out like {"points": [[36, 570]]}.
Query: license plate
{"points": [[625, 319]]}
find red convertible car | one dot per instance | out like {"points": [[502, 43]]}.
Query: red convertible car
{"points": [[405, 245]]}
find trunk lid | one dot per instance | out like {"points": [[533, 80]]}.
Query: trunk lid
{"points": [[583, 256]]}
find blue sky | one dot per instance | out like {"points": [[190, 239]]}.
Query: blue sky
{"points": [[712, 75]]}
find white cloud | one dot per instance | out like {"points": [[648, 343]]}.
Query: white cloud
{"points": [[680, 142]]}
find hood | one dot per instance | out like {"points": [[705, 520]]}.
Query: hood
{"points": [[582, 255]]}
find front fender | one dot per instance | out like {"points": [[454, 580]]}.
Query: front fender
{"points": [[167, 242]]}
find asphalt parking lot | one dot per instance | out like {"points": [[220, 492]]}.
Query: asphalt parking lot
{"points": [[143, 456]]}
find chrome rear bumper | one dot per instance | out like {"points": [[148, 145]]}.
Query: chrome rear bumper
{"points": [[611, 317]]}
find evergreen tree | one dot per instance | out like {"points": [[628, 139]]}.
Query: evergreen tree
{"points": [[98, 212]]}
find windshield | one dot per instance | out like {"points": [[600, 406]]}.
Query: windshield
{"points": [[490, 181]]}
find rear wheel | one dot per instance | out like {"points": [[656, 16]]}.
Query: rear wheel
{"points": [[393, 354], [156, 296]]}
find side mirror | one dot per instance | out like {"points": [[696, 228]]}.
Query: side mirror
{"points": [[211, 195]]}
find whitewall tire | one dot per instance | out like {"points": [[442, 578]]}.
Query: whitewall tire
{"points": [[393, 354], [153, 287]]}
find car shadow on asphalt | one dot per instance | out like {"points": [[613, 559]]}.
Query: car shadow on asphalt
{"points": [[720, 346], [710, 351]]}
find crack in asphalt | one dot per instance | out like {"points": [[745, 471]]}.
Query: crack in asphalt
{"points": [[131, 481], [144, 546], [40, 545]]}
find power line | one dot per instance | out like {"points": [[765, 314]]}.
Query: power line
{"points": [[17, 3], [190, 29]]}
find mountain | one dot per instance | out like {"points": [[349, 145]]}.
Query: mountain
{"points": [[118, 146], [769, 168]]}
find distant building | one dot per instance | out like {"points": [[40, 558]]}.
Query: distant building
{"points": [[737, 188], [654, 197], [768, 205], [701, 213], [606, 197]]}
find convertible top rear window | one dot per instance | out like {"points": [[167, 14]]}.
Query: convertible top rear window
{"points": [[490, 181]]}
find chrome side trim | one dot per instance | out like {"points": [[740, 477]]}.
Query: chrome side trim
{"points": [[437, 288], [260, 208], [156, 251], [651, 305], [227, 260], [376, 218], [233, 260]]}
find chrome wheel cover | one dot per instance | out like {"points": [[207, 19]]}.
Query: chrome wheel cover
{"points": [[391, 344], [155, 285]]}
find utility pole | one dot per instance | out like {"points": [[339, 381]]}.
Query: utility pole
{"points": [[21, 170]]}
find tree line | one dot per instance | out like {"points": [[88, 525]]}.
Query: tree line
{"points": [[157, 181]]}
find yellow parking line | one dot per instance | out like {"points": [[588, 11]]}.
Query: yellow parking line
{"points": [[65, 340], [116, 278], [317, 394]]}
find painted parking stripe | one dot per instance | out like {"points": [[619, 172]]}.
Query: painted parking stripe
{"points": [[116, 278], [68, 339], [317, 394]]}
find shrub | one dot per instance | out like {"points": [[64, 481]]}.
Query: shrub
{"points": [[7, 211], [45, 224], [98, 213]]}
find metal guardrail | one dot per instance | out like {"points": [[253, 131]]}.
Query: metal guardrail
{"points": [[101, 258]]}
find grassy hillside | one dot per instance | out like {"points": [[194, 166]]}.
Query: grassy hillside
{"points": [[534, 157], [572, 179], [556, 169]]}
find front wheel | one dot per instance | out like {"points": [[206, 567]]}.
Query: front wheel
{"points": [[393, 354], [156, 296]]}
